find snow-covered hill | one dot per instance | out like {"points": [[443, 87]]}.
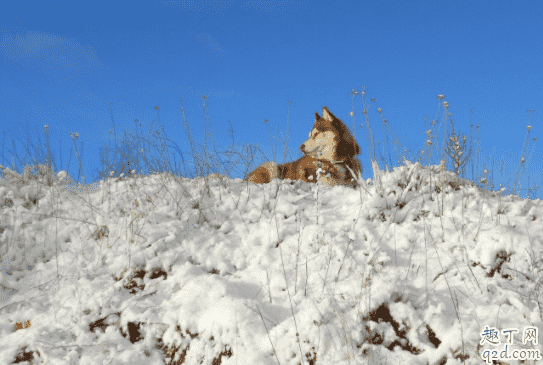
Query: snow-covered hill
{"points": [[411, 269]]}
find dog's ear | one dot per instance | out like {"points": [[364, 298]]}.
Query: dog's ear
{"points": [[317, 117], [327, 115]]}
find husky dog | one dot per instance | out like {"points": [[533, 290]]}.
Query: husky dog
{"points": [[330, 147]]}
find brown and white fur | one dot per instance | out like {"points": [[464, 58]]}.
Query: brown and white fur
{"points": [[330, 147]]}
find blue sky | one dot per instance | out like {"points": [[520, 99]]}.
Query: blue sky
{"points": [[64, 62]]}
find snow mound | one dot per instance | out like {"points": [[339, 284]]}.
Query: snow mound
{"points": [[411, 267]]}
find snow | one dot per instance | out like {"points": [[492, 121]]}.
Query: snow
{"points": [[229, 272]]}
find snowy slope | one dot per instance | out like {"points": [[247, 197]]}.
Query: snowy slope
{"points": [[407, 270]]}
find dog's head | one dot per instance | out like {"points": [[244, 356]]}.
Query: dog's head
{"points": [[330, 139]]}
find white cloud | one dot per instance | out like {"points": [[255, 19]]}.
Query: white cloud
{"points": [[209, 42], [46, 50]]}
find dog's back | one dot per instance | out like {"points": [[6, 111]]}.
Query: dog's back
{"points": [[304, 169]]}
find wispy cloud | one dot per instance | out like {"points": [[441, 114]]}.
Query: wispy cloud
{"points": [[48, 51], [210, 43], [200, 6], [215, 6], [269, 6]]}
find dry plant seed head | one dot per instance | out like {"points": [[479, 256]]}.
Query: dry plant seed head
{"points": [[352, 114], [156, 107], [379, 110], [365, 111], [446, 105], [529, 127], [440, 96]]}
